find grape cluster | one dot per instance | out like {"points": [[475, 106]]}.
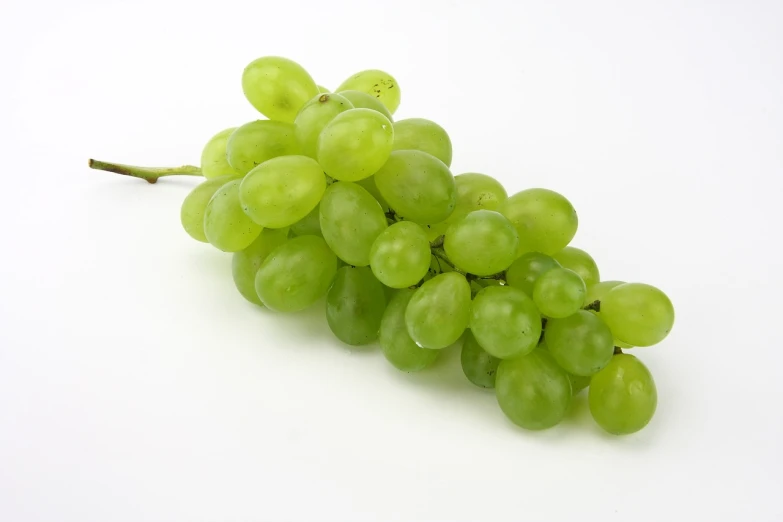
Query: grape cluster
{"points": [[330, 197]]}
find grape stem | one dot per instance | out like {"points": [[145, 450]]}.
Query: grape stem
{"points": [[440, 254], [594, 306], [150, 174]]}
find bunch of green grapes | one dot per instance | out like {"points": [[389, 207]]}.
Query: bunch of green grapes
{"points": [[329, 202]]}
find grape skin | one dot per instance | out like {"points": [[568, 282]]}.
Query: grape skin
{"points": [[354, 306], [245, 263], [623, 396], [214, 162], [376, 83], [397, 346], [439, 311], [296, 274], [195, 203], [532, 390], [351, 220], [277, 87], [226, 226], [355, 144]]}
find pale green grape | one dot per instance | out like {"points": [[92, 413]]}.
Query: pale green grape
{"points": [[424, 135], [580, 262], [281, 191], [400, 255], [580, 343], [354, 305], [532, 390], [296, 274], [505, 321], [397, 345], [310, 225], [559, 292], [379, 84], [524, 272], [368, 184], [439, 311], [474, 192], [258, 141], [482, 243], [351, 220], [214, 162], [226, 226], [597, 291], [417, 186], [277, 87], [355, 144], [638, 314], [477, 364], [314, 116], [545, 220], [192, 211], [323, 89], [245, 263], [622, 396], [362, 100]]}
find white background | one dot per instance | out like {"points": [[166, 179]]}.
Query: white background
{"points": [[136, 384]]}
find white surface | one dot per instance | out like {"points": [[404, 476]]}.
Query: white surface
{"points": [[136, 384]]}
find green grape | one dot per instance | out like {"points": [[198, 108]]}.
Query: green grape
{"points": [[424, 135], [354, 305], [482, 243], [355, 144], [477, 364], [505, 321], [314, 116], [258, 141], [192, 211], [524, 272], [439, 311], [245, 263], [281, 191], [296, 274], [226, 226], [545, 220], [622, 396], [310, 225], [368, 184], [322, 89], [597, 291], [398, 347], [532, 390], [351, 220], [474, 192], [362, 100], [580, 262], [638, 314], [578, 383], [277, 87], [417, 186], [213, 157], [400, 255], [580, 343], [559, 292], [379, 84]]}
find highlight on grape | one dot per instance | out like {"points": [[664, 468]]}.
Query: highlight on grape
{"points": [[329, 197]]}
